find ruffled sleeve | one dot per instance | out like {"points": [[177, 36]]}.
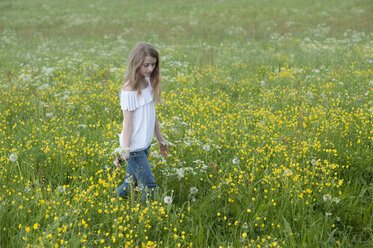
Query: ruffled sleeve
{"points": [[128, 100]]}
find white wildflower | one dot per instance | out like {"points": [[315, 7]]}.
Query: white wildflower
{"points": [[43, 86], [120, 152], [61, 189], [88, 108], [129, 180], [262, 83], [180, 173], [166, 143], [47, 71], [49, 114], [245, 226], [287, 172], [140, 188], [327, 197]]}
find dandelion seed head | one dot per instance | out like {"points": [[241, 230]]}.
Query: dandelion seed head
{"points": [[236, 161], [193, 190], [314, 161], [13, 157], [206, 148], [167, 199]]}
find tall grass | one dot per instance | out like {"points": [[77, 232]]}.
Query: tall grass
{"points": [[267, 104]]}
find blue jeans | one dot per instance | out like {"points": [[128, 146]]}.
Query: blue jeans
{"points": [[138, 172]]}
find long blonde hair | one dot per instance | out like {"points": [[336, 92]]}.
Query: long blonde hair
{"points": [[137, 58]]}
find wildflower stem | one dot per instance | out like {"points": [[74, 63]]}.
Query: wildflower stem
{"points": [[19, 169]]}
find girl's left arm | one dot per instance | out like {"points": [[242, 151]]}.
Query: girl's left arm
{"points": [[161, 141]]}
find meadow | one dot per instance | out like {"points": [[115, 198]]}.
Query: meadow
{"points": [[267, 105]]}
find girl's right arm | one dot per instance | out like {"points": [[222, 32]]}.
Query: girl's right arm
{"points": [[127, 131]]}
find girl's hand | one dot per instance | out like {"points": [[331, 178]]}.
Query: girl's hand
{"points": [[163, 147], [117, 161], [127, 155]]}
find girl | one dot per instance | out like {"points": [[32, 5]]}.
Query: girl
{"points": [[138, 96]]}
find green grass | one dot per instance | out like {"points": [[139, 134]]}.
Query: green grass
{"points": [[267, 104]]}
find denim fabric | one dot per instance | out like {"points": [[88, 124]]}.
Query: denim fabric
{"points": [[138, 172]]}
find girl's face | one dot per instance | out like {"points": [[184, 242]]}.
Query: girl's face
{"points": [[147, 66]]}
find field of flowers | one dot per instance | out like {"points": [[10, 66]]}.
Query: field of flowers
{"points": [[268, 111]]}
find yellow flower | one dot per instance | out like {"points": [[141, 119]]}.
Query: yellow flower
{"points": [[36, 226], [244, 235], [27, 229]]}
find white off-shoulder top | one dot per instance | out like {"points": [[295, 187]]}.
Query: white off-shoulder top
{"points": [[143, 117]]}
